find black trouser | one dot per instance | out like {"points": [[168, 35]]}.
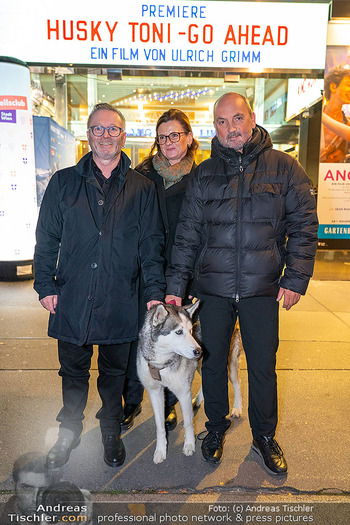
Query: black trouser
{"points": [[258, 318], [75, 364], [133, 389]]}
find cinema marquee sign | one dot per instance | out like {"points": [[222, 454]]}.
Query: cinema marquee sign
{"points": [[244, 35]]}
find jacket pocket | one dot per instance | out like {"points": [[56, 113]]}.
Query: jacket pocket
{"points": [[267, 201], [199, 262], [59, 284], [278, 257]]}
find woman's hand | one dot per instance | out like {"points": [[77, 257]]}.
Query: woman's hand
{"points": [[177, 300]]}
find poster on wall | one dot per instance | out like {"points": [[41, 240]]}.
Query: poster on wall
{"points": [[18, 209], [54, 150], [333, 198]]}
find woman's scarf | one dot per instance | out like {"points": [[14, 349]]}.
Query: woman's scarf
{"points": [[171, 173]]}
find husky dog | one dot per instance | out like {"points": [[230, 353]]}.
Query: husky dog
{"points": [[167, 356], [233, 368]]}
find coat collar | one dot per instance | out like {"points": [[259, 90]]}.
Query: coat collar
{"points": [[260, 141], [84, 166]]}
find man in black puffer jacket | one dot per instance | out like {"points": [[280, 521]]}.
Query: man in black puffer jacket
{"points": [[247, 236]]}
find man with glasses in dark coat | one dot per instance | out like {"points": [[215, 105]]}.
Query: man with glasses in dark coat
{"points": [[99, 232]]}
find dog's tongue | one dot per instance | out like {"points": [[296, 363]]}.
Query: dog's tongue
{"points": [[171, 302]]}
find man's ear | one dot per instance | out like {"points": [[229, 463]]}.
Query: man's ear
{"points": [[123, 139], [253, 117]]}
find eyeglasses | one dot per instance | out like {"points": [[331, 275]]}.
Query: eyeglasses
{"points": [[173, 137], [113, 131]]}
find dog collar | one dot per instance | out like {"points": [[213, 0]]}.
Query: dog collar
{"points": [[155, 372]]}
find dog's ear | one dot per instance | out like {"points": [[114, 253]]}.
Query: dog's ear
{"points": [[191, 308], [159, 315]]}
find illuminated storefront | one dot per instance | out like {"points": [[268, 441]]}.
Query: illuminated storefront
{"points": [[151, 55]]}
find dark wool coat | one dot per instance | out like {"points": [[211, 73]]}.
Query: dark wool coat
{"points": [[170, 202], [245, 216], [100, 247]]}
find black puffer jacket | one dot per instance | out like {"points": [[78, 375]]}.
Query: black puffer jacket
{"points": [[245, 216]]}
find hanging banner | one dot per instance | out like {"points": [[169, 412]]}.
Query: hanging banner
{"points": [[333, 196], [244, 35]]}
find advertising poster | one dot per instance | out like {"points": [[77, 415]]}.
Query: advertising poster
{"points": [[333, 197], [18, 212], [54, 150]]}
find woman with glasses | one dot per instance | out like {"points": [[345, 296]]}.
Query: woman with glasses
{"points": [[169, 165]]}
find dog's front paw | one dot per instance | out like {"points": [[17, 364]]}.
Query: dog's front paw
{"points": [[159, 455], [188, 449], [236, 412]]}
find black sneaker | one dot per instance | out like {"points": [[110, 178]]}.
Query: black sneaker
{"points": [[272, 455], [213, 446]]}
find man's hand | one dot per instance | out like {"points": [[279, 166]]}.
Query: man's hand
{"points": [[152, 303], [49, 303], [174, 298], [289, 298]]}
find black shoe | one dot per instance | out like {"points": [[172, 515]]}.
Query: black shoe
{"points": [[130, 412], [272, 454], [114, 450], [60, 452], [170, 418], [213, 446]]}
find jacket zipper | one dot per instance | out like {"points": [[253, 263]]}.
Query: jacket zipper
{"points": [[239, 225]]}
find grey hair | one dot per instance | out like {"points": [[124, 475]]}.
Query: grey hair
{"points": [[104, 105]]}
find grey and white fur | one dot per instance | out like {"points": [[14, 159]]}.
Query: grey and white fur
{"points": [[167, 356]]}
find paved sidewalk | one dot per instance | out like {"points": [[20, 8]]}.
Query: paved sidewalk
{"points": [[314, 384]]}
